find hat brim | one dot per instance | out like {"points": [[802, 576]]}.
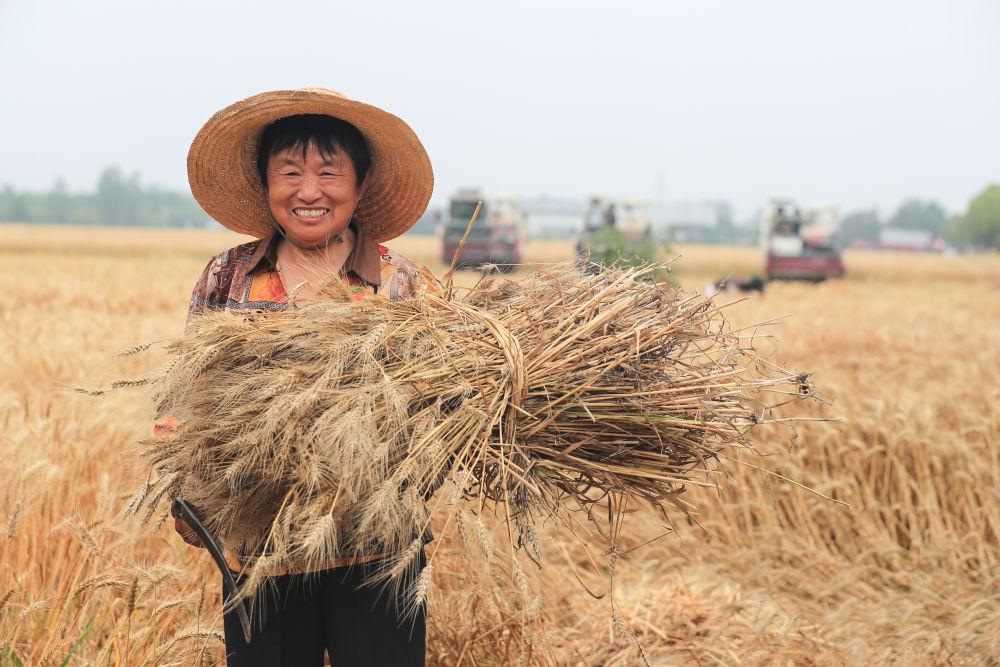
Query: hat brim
{"points": [[222, 162]]}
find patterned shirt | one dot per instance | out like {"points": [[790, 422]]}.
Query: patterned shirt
{"points": [[247, 278]]}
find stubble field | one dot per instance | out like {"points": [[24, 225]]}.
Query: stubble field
{"points": [[907, 348]]}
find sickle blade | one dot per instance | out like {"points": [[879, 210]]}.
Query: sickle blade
{"points": [[180, 508]]}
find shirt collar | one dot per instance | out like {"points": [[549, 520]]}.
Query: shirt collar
{"points": [[364, 260], [265, 255]]}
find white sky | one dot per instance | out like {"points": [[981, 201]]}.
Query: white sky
{"points": [[859, 103]]}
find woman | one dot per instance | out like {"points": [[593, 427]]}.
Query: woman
{"points": [[321, 181]]}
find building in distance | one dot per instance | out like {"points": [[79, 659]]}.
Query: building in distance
{"points": [[909, 240]]}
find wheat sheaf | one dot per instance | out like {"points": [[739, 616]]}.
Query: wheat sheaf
{"points": [[329, 430]]}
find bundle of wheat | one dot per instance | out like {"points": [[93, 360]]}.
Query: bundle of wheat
{"points": [[324, 431]]}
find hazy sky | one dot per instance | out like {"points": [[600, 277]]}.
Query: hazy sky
{"points": [[859, 103]]}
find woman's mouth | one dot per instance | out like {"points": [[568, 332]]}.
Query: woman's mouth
{"points": [[310, 212]]}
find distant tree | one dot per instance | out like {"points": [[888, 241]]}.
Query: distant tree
{"points": [[18, 210], [59, 203], [427, 224], [119, 200], [860, 225], [110, 188], [6, 202], [917, 214], [724, 215], [981, 223]]}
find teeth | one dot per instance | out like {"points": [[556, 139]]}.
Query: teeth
{"points": [[311, 212]]}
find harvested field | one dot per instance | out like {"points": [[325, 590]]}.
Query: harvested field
{"points": [[908, 347]]}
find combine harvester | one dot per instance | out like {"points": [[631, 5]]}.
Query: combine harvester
{"points": [[616, 232], [800, 243], [496, 238]]}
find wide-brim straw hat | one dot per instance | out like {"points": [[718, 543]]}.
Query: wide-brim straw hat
{"points": [[222, 162]]}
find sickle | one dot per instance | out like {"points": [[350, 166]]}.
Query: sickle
{"points": [[180, 509]]}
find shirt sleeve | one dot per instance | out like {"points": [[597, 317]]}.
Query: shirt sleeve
{"points": [[205, 292], [166, 424]]}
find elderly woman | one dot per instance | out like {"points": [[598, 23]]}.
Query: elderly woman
{"points": [[320, 180]]}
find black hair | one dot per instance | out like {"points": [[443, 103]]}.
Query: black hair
{"points": [[326, 133]]}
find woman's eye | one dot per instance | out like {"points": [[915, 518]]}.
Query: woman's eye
{"points": [[290, 173]]}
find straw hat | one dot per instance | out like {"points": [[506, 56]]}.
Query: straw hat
{"points": [[222, 162]]}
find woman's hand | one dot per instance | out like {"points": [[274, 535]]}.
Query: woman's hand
{"points": [[187, 533]]}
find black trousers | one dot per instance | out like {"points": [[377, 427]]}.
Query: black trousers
{"points": [[297, 618]]}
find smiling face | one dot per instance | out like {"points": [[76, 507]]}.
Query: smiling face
{"points": [[311, 195]]}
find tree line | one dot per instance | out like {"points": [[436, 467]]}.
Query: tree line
{"points": [[119, 199], [978, 227], [123, 200]]}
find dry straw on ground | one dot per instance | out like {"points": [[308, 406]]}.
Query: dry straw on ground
{"points": [[324, 431], [906, 346]]}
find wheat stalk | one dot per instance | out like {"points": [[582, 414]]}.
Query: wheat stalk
{"points": [[317, 433]]}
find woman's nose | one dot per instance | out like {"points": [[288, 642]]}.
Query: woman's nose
{"points": [[309, 189]]}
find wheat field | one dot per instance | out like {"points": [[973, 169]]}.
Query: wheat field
{"points": [[904, 570]]}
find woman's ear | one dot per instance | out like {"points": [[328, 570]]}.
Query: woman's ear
{"points": [[361, 192]]}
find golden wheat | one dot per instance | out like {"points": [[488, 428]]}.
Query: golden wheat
{"points": [[908, 348], [558, 395]]}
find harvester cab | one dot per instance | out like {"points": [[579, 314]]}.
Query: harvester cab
{"points": [[497, 237], [800, 243], [634, 222], [616, 231]]}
